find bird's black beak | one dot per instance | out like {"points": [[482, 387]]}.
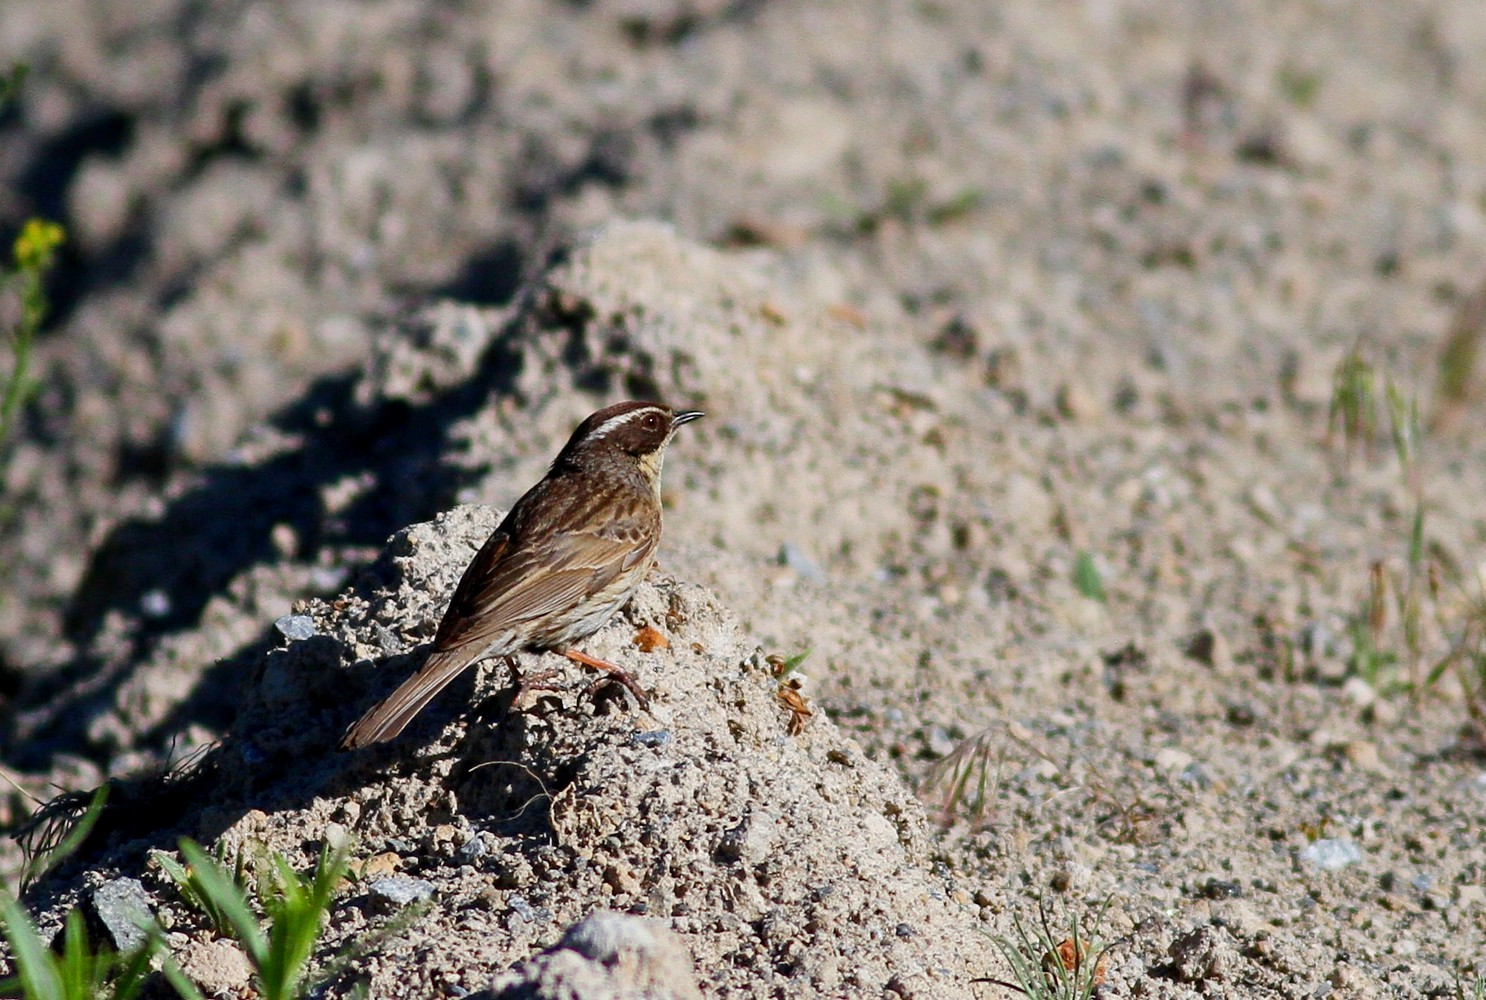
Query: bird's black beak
{"points": [[685, 417]]}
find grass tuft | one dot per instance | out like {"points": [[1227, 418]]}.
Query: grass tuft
{"points": [[1051, 964], [294, 907], [188, 882], [964, 782]]}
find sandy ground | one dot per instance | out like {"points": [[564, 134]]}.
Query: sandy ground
{"points": [[977, 297]]}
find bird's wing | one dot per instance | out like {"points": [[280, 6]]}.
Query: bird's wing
{"points": [[509, 584]]}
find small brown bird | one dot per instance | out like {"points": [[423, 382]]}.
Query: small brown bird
{"points": [[568, 555]]}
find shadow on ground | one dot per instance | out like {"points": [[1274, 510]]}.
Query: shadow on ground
{"points": [[211, 534]]}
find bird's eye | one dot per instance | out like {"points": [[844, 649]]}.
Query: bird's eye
{"points": [[652, 421]]}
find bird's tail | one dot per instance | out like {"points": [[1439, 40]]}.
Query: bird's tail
{"points": [[391, 715]]}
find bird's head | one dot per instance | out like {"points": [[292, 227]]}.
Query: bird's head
{"points": [[639, 431]]}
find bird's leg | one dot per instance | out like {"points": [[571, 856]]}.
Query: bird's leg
{"points": [[614, 673], [540, 680]]}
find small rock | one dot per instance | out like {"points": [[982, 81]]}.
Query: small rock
{"points": [[606, 956], [1074, 402], [1216, 888], [957, 338], [155, 604], [1196, 775], [295, 627], [527, 912], [1210, 648], [1382, 713], [1242, 920], [122, 909], [219, 967], [1202, 955], [794, 557], [1364, 754], [475, 847], [285, 540], [653, 738], [649, 639], [1200, 646], [1172, 759], [327, 579], [1332, 854], [1347, 981], [1359, 692], [400, 890], [1242, 713], [379, 865]]}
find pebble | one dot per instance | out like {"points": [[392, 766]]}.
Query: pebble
{"points": [[473, 848], [794, 557], [1364, 754], [400, 890], [1332, 854], [155, 604], [124, 909], [1172, 759], [521, 907], [1359, 692], [295, 628], [653, 738]]}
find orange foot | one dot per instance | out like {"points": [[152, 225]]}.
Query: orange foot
{"points": [[614, 673]]}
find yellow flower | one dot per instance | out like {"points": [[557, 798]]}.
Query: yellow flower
{"points": [[36, 244]]}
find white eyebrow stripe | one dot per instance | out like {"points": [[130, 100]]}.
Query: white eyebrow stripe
{"points": [[613, 422]]}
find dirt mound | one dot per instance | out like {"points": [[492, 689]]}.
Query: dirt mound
{"points": [[783, 860]]}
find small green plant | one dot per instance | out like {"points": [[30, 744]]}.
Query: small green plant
{"points": [[1354, 401], [783, 666], [34, 254], [964, 782], [78, 972], [294, 906], [1048, 964], [1086, 577], [188, 883], [1456, 380], [906, 197], [1299, 86], [1356, 405], [1371, 658], [11, 83], [1466, 656]]}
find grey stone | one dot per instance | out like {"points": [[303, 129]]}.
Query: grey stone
{"points": [[122, 909], [1332, 854], [605, 956], [295, 627], [400, 890]]}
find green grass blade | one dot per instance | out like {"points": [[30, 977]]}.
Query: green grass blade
{"points": [[35, 966], [179, 982], [134, 970], [1086, 577], [225, 895], [82, 971]]}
